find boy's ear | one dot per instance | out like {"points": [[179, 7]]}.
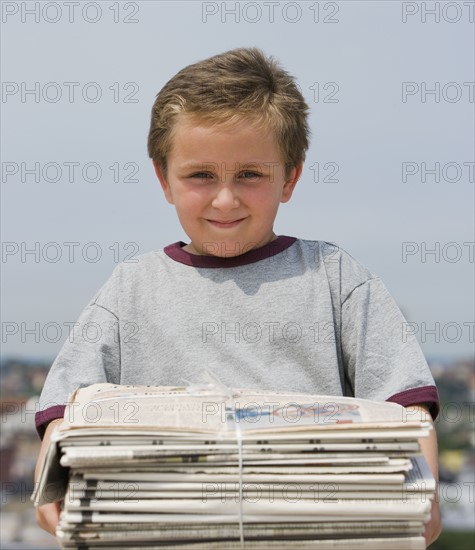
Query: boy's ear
{"points": [[164, 183], [291, 182]]}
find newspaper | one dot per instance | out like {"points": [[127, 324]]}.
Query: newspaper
{"points": [[109, 405], [174, 467]]}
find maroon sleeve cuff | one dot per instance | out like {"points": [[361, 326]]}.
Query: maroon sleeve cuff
{"points": [[42, 418], [417, 396]]}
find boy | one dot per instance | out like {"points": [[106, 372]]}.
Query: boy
{"points": [[228, 138]]}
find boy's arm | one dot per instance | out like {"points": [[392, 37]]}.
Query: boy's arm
{"points": [[429, 449], [47, 515]]}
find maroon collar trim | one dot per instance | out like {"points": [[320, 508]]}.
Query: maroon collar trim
{"points": [[175, 252]]}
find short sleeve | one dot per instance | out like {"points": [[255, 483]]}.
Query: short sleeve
{"points": [[383, 362], [90, 355]]}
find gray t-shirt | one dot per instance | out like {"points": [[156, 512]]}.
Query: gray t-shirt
{"points": [[294, 315]]}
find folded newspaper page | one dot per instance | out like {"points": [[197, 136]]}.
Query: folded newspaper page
{"points": [[170, 408]]}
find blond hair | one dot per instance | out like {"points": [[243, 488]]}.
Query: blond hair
{"points": [[226, 88]]}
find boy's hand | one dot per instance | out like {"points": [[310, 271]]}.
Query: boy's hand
{"points": [[433, 527], [47, 515]]}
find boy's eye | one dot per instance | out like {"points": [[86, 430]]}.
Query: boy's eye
{"points": [[247, 175], [250, 175], [202, 175]]}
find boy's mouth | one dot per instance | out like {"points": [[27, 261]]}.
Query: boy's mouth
{"points": [[226, 223]]}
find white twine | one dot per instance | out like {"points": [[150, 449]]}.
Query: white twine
{"points": [[241, 522]]}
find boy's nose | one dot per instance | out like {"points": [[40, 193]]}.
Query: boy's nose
{"points": [[225, 199]]}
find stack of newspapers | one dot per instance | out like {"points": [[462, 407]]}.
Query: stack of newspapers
{"points": [[212, 468]]}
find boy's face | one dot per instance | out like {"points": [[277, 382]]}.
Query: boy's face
{"points": [[226, 185]]}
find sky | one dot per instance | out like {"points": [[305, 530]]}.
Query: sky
{"points": [[389, 175]]}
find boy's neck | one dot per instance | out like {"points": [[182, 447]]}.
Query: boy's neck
{"points": [[178, 252], [191, 249]]}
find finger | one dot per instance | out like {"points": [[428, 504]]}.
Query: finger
{"points": [[47, 516]]}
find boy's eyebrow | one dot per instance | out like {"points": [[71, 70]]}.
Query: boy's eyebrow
{"points": [[195, 165], [210, 164]]}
